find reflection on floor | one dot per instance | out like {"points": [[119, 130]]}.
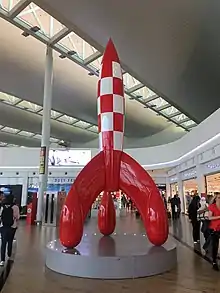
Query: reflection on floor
{"points": [[193, 274], [181, 230]]}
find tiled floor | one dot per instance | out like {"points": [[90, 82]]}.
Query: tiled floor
{"points": [[193, 274]]}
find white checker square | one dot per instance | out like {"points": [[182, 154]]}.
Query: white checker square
{"points": [[107, 121], [118, 140], [106, 86], [118, 104], [98, 106], [100, 142], [116, 70]]}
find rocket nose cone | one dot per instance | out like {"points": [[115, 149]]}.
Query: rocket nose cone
{"points": [[110, 53]]}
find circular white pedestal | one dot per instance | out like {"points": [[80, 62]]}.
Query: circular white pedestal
{"points": [[120, 256]]}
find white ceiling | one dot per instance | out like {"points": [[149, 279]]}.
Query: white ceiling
{"points": [[74, 91]]}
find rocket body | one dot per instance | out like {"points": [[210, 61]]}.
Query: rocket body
{"points": [[111, 108]]}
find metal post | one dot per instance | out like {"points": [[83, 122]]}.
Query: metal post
{"points": [[45, 141]]}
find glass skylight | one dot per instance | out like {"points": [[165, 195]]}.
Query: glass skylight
{"points": [[46, 27], [55, 140], [157, 103], [94, 128], [10, 130], [25, 133], [13, 145], [11, 100], [144, 94], [169, 111], [31, 107], [67, 119], [34, 16], [3, 144], [8, 4], [130, 81], [96, 64], [180, 117], [189, 124], [37, 136], [72, 42], [82, 124], [54, 114]]}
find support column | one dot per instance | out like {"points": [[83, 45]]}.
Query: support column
{"points": [[168, 188], [181, 193], [45, 141], [24, 190], [200, 178]]}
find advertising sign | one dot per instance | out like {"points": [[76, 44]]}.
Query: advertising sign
{"points": [[69, 157], [42, 160]]}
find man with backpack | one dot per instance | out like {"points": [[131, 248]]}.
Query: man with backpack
{"points": [[9, 213]]}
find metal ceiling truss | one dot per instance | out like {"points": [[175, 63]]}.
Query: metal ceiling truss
{"points": [[23, 133], [54, 41], [57, 116]]}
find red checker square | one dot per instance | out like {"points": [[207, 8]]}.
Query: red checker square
{"points": [[118, 87], [107, 140], [106, 69], [99, 123], [98, 88], [106, 103], [118, 122]]}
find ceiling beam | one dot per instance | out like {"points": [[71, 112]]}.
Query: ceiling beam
{"points": [[136, 87], [184, 120], [147, 100], [174, 114], [59, 36], [92, 58], [20, 6], [164, 107]]}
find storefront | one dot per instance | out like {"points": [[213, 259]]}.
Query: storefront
{"points": [[212, 183], [173, 186], [211, 171], [190, 187]]}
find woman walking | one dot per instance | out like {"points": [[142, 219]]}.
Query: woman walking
{"points": [[214, 217]]}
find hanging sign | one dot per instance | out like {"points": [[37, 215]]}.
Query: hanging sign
{"points": [[42, 160]]}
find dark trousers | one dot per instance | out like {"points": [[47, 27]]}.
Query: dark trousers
{"points": [[174, 213], [196, 230], [7, 235], [215, 245]]}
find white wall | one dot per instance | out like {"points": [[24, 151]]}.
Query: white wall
{"points": [[201, 139]]}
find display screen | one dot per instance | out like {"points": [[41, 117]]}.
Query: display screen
{"points": [[15, 190], [69, 157]]}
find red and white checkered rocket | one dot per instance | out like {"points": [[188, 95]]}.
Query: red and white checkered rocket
{"points": [[112, 169], [111, 110]]}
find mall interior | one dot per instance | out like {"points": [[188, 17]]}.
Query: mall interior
{"points": [[52, 152]]}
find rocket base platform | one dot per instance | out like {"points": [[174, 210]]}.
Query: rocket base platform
{"points": [[120, 256]]}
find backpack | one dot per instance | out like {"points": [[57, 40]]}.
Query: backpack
{"points": [[7, 216]]}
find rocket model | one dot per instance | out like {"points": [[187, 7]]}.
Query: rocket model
{"points": [[112, 169]]}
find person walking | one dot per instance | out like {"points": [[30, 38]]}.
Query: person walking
{"points": [[9, 213], [192, 212], [214, 226], [175, 206]]}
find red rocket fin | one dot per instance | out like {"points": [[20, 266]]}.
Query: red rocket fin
{"points": [[106, 214], [88, 185], [140, 187]]}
